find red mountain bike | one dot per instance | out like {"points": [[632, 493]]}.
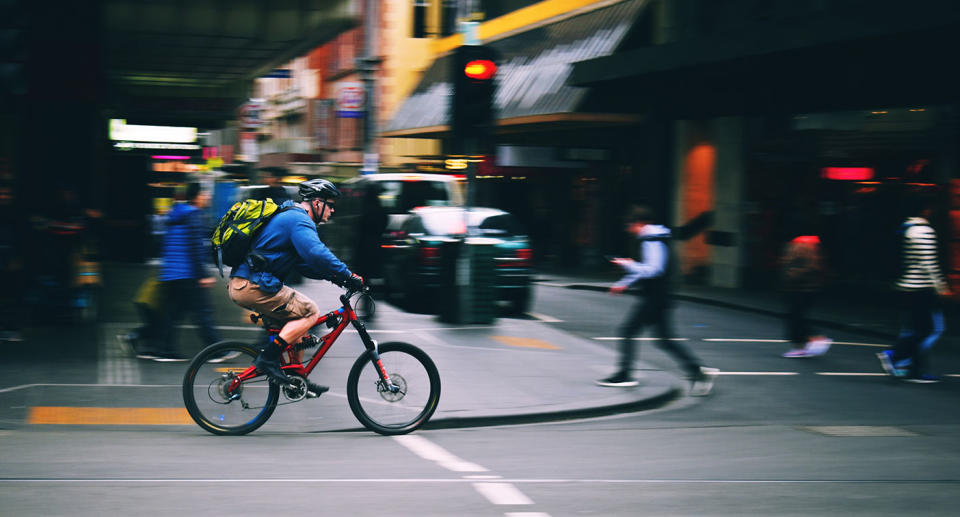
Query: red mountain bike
{"points": [[393, 388]]}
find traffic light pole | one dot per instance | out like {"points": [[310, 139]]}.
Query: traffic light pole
{"points": [[465, 262]]}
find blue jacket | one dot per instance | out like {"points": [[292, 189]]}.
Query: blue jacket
{"points": [[289, 241], [185, 244]]}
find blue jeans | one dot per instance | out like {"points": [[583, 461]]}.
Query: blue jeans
{"points": [[921, 326]]}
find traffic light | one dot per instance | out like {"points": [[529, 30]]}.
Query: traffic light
{"points": [[473, 74]]}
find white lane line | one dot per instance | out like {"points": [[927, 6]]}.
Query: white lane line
{"points": [[502, 493], [526, 514], [756, 373], [54, 385], [853, 374], [481, 476], [544, 318], [639, 339], [367, 481], [735, 340], [850, 343], [432, 452]]}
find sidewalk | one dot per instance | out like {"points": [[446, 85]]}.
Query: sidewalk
{"points": [[512, 371], [875, 316]]}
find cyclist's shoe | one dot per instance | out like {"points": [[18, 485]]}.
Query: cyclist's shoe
{"points": [[270, 366], [315, 390]]}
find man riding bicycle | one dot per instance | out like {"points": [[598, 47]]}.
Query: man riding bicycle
{"points": [[290, 241]]}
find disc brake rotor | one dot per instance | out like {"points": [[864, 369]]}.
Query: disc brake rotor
{"points": [[390, 395]]}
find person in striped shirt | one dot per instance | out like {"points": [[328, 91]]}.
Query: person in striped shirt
{"points": [[919, 284]]}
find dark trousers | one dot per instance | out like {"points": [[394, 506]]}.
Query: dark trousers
{"points": [[653, 309], [798, 328], [921, 326], [182, 297]]}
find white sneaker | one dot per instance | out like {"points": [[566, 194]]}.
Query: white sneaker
{"points": [[703, 384], [819, 346]]}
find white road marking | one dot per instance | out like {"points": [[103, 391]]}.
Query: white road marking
{"points": [[735, 340], [850, 343], [544, 318], [394, 480], [853, 374], [432, 452], [53, 385], [496, 492], [502, 493], [639, 339], [756, 373], [526, 514]]}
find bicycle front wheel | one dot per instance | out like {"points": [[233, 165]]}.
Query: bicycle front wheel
{"points": [[217, 400], [411, 401]]}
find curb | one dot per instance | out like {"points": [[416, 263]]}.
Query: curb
{"points": [[654, 402]]}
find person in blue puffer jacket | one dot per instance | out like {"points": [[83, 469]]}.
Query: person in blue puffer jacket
{"points": [[184, 276], [288, 242]]}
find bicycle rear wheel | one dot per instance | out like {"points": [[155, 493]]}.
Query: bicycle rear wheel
{"points": [[216, 402], [401, 412]]}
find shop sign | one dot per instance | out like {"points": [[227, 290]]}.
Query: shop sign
{"points": [[120, 130], [351, 100], [251, 114]]}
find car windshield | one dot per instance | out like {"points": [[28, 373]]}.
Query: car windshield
{"points": [[450, 222], [398, 197]]}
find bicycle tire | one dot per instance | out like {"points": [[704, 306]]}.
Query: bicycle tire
{"points": [[409, 410], [206, 401]]}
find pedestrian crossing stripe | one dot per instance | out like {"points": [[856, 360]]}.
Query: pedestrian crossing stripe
{"points": [[60, 415]]}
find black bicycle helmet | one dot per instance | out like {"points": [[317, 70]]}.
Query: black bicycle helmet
{"points": [[318, 188]]}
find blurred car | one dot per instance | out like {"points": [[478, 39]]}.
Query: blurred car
{"points": [[417, 262], [369, 203]]}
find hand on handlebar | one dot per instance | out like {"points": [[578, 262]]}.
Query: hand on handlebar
{"points": [[354, 283]]}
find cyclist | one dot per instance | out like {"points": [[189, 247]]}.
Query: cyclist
{"points": [[290, 241]]}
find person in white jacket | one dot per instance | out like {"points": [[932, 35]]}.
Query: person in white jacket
{"points": [[651, 273]]}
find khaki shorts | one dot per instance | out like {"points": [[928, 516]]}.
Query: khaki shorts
{"points": [[284, 305]]}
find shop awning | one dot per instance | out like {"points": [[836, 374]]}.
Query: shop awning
{"points": [[532, 77]]}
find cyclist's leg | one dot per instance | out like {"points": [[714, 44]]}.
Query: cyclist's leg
{"points": [[287, 305]]}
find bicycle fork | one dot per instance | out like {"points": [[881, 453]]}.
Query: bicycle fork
{"points": [[372, 350]]}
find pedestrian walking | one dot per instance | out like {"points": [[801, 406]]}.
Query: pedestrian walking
{"points": [[273, 179], [802, 272], [184, 276], [148, 302], [919, 286], [651, 273]]}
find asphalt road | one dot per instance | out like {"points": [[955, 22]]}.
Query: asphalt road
{"points": [[825, 436]]}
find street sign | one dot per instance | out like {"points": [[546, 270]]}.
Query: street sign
{"points": [[351, 100]]}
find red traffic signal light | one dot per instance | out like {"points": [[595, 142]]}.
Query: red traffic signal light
{"points": [[480, 69]]}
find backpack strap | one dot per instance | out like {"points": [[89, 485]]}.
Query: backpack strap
{"points": [[259, 264]]}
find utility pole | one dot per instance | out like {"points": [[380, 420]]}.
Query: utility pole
{"points": [[368, 65]]}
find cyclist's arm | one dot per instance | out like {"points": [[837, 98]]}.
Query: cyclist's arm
{"points": [[318, 260]]}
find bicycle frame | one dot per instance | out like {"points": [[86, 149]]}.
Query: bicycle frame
{"points": [[349, 316]]}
